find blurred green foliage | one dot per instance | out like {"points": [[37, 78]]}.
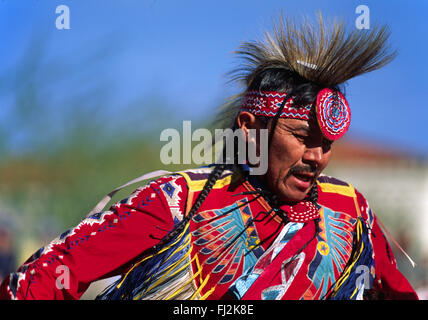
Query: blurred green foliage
{"points": [[64, 144]]}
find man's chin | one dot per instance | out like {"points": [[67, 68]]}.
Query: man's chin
{"points": [[293, 197], [289, 193]]}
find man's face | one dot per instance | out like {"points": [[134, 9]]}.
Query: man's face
{"points": [[298, 153]]}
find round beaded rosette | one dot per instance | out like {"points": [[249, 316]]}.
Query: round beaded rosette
{"points": [[333, 114]]}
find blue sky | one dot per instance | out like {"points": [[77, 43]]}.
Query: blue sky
{"points": [[182, 50]]}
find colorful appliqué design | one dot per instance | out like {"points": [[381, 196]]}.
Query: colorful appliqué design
{"points": [[171, 191], [246, 280], [289, 269], [332, 253], [226, 240]]}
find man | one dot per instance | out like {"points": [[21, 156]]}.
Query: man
{"points": [[220, 232]]}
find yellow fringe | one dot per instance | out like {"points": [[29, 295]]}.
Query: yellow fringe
{"points": [[160, 280], [168, 270], [355, 291], [171, 267], [141, 261], [200, 288], [203, 283], [198, 265], [188, 282], [208, 293], [185, 266]]}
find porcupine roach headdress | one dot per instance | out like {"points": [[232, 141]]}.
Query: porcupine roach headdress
{"points": [[314, 58], [295, 73]]}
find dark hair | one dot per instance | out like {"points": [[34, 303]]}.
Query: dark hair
{"points": [[284, 80]]}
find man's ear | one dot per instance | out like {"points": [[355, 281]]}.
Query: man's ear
{"points": [[247, 120], [251, 126]]}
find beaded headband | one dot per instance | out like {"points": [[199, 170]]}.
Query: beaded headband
{"points": [[332, 109]]}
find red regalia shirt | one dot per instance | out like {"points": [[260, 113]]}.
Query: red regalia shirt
{"points": [[237, 247]]}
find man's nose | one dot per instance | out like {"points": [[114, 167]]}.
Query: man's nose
{"points": [[313, 154]]}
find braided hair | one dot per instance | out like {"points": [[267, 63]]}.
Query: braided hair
{"points": [[209, 184]]}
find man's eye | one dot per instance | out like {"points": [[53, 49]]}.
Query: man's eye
{"points": [[300, 137], [327, 143]]}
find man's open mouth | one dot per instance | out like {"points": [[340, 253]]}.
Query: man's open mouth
{"points": [[307, 177]]}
